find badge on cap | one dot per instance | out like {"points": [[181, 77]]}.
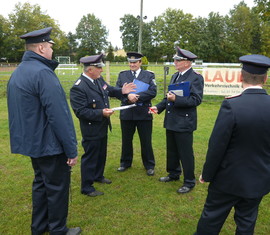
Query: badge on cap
{"points": [[134, 56]]}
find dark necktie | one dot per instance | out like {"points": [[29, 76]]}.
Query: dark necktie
{"points": [[134, 74], [178, 78]]}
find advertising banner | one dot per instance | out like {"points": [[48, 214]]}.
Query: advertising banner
{"points": [[222, 81]]}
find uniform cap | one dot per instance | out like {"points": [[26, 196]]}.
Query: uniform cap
{"points": [[134, 56], [182, 54], [255, 64], [37, 36], [93, 60]]}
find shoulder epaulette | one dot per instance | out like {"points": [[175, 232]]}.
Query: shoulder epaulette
{"points": [[233, 96], [78, 82], [150, 71]]}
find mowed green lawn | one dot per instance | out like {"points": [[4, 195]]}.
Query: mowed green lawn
{"points": [[134, 203]]}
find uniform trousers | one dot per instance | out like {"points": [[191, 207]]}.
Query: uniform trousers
{"points": [[93, 163], [144, 128], [180, 152], [217, 208], [50, 193]]}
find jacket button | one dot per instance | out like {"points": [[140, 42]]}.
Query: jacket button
{"points": [[89, 123]]}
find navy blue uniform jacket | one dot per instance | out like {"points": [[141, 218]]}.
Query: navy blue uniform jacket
{"points": [[140, 112], [88, 101], [181, 115], [238, 157], [40, 121]]}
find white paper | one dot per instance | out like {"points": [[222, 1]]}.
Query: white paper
{"points": [[124, 107], [177, 92]]}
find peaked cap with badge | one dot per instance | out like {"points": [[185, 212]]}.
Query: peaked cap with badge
{"points": [[255, 64], [182, 54], [37, 36], [93, 60], [134, 56]]}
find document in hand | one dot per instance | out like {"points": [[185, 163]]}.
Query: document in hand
{"points": [[140, 86], [180, 89]]}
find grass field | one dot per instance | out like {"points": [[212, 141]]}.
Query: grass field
{"points": [[134, 203]]}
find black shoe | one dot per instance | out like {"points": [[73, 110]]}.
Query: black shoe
{"points": [[104, 181], [94, 193], [150, 172], [122, 168], [74, 231], [184, 189], [167, 179]]}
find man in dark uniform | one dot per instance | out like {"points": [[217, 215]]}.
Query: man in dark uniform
{"points": [[238, 157], [181, 120], [137, 117], [41, 127], [89, 99]]}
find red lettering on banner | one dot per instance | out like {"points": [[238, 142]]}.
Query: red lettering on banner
{"points": [[206, 76], [239, 76], [222, 76], [227, 79], [218, 77]]}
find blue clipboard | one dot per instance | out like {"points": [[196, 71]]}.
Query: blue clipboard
{"points": [[182, 88], [140, 86]]}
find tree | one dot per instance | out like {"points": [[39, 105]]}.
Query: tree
{"points": [[3, 38], [110, 55], [172, 28], [263, 11], [263, 8], [240, 31], [92, 36], [265, 38], [216, 38], [199, 39], [26, 18], [72, 44], [130, 32]]}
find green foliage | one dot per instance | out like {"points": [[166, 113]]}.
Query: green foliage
{"points": [[240, 27], [92, 36], [214, 39], [263, 9], [130, 32], [171, 28], [265, 38], [26, 18], [144, 63], [120, 58], [110, 55]]}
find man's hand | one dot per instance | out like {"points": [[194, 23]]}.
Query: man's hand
{"points": [[201, 179], [72, 161], [133, 98], [153, 110], [107, 112], [170, 96], [128, 87]]}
